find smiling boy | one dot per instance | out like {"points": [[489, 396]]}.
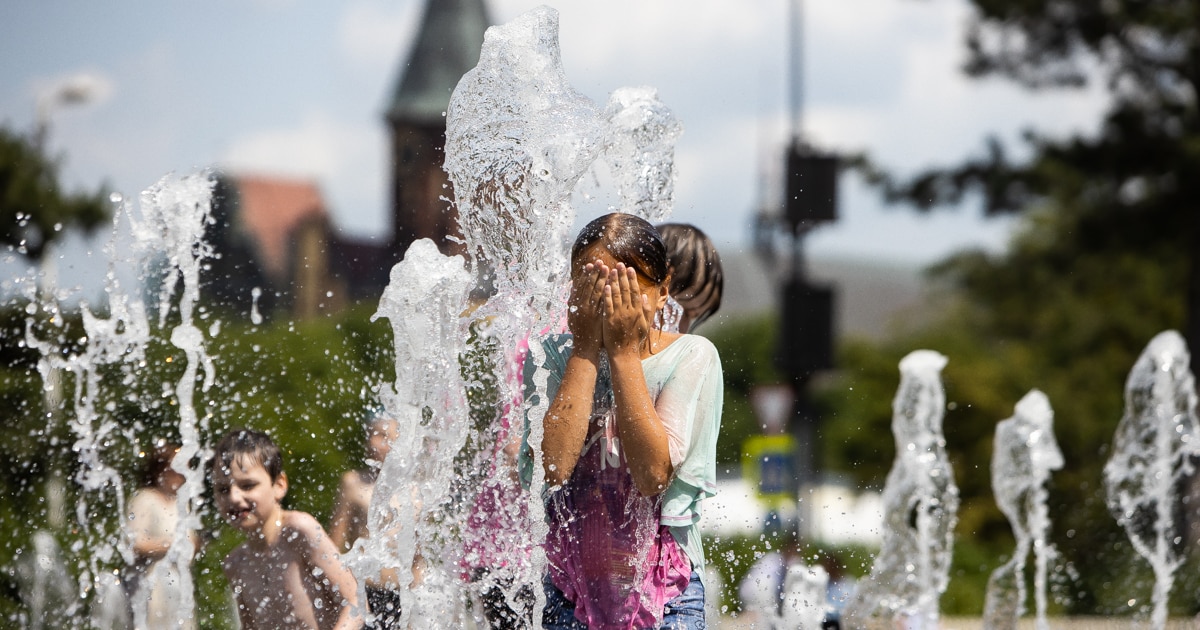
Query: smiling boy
{"points": [[287, 574]]}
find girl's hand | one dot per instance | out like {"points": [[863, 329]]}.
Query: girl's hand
{"points": [[585, 315], [625, 323]]}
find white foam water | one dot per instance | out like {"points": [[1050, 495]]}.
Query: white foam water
{"points": [[1152, 452], [1024, 455], [920, 500], [519, 139], [423, 303], [167, 229]]}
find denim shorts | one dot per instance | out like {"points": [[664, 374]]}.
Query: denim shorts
{"points": [[684, 612]]}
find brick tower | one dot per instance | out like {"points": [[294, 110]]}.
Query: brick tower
{"points": [[446, 47]]}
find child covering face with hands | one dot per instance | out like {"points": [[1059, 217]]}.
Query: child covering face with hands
{"points": [[629, 441]]}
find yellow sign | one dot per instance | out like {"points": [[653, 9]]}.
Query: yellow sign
{"points": [[768, 462]]}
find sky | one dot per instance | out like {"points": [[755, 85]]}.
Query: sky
{"points": [[299, 88]]}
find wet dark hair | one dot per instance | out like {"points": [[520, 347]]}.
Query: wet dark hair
{"points": [[698, 279], [631, 240], [158, 461], [256, 445]]}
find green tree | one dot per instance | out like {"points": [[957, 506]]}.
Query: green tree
{"points": [[34, 210], [1129, 185], [1067, 309], [1110, 255]]}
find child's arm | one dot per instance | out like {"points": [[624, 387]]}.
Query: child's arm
{"points": [[566, 423], [343, 512], [643, 437], [325, 564]]}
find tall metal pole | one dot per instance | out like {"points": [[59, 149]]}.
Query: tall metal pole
{"points": [[75, 91], [796, 68]]}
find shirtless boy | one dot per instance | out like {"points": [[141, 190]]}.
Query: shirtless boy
{"points": [[288, 573]]}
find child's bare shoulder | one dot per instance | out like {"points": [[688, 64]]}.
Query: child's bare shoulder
{"points": [[352, 481], [300, 521], [301, 528]]}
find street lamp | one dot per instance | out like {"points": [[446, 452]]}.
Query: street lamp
{"points": [[805, 343], [76, 90]]}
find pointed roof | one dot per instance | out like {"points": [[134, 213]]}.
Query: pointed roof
{"points": [[446, 47]]}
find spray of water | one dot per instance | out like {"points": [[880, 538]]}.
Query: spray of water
{"points": [[1152, 453], [113, 341], [519, 139], [167, 231], [920, 501], [423, 303], [46, 590], [804, 589], [1024, 455], [175, 213]]}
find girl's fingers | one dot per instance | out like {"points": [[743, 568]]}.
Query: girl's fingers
{"points": [[634, 295], [621, 279], [598, 280], [608, 300]]}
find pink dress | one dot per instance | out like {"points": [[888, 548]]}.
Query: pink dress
{"points": [[606, 549]]}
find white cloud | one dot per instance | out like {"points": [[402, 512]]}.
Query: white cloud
{"points": [[347, 160], [939, 116]]}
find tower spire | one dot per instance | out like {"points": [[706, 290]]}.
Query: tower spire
{"points": [[446, 46]]}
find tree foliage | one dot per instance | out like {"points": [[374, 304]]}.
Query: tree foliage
{"points": [[34, 209], [308, 384], [1109, 255], [1130, 185]]}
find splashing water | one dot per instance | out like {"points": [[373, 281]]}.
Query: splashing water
{"points": [[1024, 455], [804, 590], [423, 303], [46, 586], [519, 138], [167, 236], [920, 501], [174, 216], [1152, 453]]}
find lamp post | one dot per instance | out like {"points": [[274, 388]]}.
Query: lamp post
{"points": [[76, 90], [805, 343]]}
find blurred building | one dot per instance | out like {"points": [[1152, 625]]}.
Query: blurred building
{"points": [[446, 47], [274, 234]]}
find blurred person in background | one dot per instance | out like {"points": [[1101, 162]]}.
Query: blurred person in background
{"points": [[153, 585]]}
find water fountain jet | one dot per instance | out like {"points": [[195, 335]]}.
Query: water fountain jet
{"points": [[1152, 453], [1024, 454], [920, 508]]}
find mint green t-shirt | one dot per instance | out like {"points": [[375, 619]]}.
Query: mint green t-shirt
{"points": [[685, 381]]}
